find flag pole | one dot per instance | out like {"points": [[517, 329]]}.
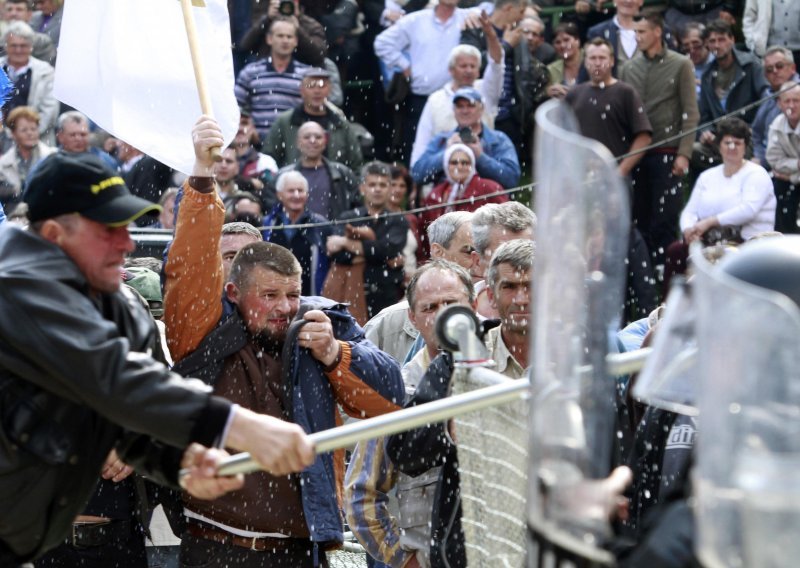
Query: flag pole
{"points": [[199, 70]]}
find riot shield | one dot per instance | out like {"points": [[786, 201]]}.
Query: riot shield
{"points": [[578, 284], [668, 379], [747, 472]]}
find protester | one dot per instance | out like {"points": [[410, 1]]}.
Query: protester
{"points": [[89, 372], [22, 157], [783, 155], [567, 70]]}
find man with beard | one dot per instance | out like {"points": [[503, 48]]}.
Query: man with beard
{"points": [[300, 372]]}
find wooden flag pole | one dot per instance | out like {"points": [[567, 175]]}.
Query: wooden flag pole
{"points": [[197, 63]]}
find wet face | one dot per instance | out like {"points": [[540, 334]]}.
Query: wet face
{"points": [[497, 236], [732, 150], [98, 250], [648, 36], [311, 141], [566, 45], [315, 91], [17, 12], [533, 32], [465, 71], [282, 39], [460, 249], [789, 103], [459, 166], [74, 136], [599, 63], [18, 50], [720, 45], [229, 245], [375, 190], [267, 302], [293, 197], [228, 167], [467, 113], [168, 214], [693, 45], [511, 297], [398, 189], [777, 70], [25, 133], [436, 289]]}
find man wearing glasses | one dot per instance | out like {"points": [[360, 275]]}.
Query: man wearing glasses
{"points": [[779, 67]]}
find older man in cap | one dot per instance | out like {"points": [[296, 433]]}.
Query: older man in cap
{"points": [[343, 144], [76, 377], [495, 156]]}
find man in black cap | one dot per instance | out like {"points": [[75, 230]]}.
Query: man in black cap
{"points": [[343, 143], [76, 379]]}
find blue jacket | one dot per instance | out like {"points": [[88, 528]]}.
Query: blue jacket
{"points": [[749, 85], [498, 161], [367, 383]]}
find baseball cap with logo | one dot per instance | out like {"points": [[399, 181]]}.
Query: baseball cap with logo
{"points": [[66, 183]]}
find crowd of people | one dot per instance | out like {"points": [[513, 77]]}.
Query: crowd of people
{"points": [[308, 264]]}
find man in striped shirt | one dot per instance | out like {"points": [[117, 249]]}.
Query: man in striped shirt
{"points": [[272, 85]]}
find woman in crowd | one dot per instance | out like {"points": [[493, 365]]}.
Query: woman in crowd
{"points": [[462, 182], [401, 193], [567, 70], [735, 197], [22, 157], [730, 203]]}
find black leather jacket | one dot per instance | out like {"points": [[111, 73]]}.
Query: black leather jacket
{"points": [[74, 377]]}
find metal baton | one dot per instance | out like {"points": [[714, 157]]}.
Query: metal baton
{"points": [[408, 418]]}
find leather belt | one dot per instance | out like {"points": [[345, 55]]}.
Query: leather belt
{"points": [[89, 535], [259, 544]]}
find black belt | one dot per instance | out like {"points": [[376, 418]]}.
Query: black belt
{"points": [[91, 535]]}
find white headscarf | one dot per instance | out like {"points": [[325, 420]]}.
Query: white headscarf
{"points": [[457, 191]]}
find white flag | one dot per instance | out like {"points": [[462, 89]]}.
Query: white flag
{"points": [[126, 64]]}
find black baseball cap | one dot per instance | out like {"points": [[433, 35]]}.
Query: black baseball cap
{"points": [[65, 183]]}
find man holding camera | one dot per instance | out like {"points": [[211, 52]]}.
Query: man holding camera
{"points": [[495, 156]]}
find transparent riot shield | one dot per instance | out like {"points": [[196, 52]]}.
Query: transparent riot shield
{"points": [[669, 377], [747, 464], [578, 284]]}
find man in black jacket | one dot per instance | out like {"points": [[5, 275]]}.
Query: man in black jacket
{"points": [[76, 379]]}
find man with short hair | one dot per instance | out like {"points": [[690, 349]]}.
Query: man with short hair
{"points": [[663, 80], [464, 65], [72, 135], [373, 237], [307, 244], [533, 31], [608, 110], [733, 80], [88, 374], [783, 154], [273, 520], [693, 45], [20, 11], [271, 85], [495, 156], [779, 67], [332, 186], [493, 225], [371, 475], [342, 142], [417, 451]]}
